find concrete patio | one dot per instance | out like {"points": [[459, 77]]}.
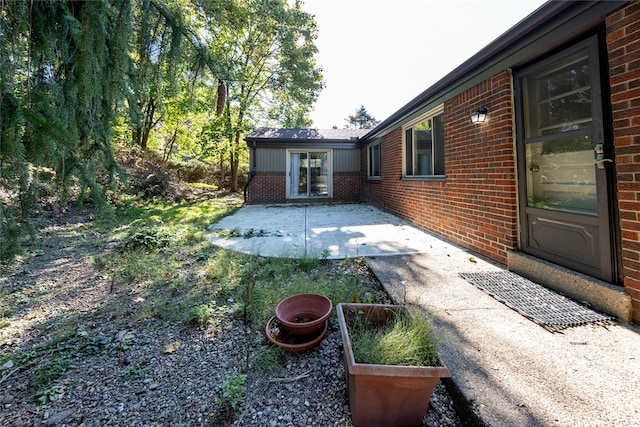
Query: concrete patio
{"points": [[330, 231]]}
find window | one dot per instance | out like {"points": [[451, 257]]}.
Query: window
{"points": [[424, 146], [374, 160]]}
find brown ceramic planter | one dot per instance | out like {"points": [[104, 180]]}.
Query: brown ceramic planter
{"points": [[304, 314], [289, 342], [385, 395]]}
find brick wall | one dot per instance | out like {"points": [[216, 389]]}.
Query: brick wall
{"points": [[476, 205], [267, 187], [623, 42], [270, 187], [346, 186]]}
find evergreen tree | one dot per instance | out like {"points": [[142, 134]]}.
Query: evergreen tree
{"points": [[63, 64], [362, 119]]}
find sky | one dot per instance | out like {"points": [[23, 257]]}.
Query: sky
{"points": [[383, 53]]}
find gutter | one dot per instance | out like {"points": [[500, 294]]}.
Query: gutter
{"points": [[297, 143]]}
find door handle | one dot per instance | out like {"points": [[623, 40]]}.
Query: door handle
{"points": [[600, 160]]}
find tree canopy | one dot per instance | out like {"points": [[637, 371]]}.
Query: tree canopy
{"points": [[184, 77]]}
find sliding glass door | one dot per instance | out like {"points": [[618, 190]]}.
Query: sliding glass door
{"points": [[309, 174]]}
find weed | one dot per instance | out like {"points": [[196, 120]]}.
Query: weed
{"points": [[308, 263], [135, 373], [268, 358], [94, 345], [254, 233], [235, 232], [50, 371], [200, 314], [163, 306], [150, 239], [205, 313], [49, 394], [229, 234], [233, 390], [263, 282], [237, 309], [202, 185], [20, 357], [100, 262]]}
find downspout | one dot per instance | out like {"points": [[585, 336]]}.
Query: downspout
{"points": [[252, 174]]}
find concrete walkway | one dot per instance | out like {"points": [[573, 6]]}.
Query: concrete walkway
{"points": [[511, 371]]}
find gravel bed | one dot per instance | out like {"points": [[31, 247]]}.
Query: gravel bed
{"points": [[123, 371], [159, 375]]}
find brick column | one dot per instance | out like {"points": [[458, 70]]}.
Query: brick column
{"points": [[623, 43]]}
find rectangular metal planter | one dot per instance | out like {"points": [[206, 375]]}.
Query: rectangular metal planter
{"points": [[385, 395]]}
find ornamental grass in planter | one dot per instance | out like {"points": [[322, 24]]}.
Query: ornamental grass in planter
{"points": [[391, 364]]}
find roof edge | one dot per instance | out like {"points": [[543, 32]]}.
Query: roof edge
{"points": [[483, 59]]}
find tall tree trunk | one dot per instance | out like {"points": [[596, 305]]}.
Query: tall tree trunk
{"points": [[222, 171], [235, 160], [140, 136], [168, 149], [136, 136], [145, 136]]}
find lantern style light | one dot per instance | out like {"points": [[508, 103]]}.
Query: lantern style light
{"points": [[480, 115]]}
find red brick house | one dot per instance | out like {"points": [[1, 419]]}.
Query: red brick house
{"points": [[304, 165], [548, 183]]}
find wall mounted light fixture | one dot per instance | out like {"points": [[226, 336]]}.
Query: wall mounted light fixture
{"points": [[480, 115]]}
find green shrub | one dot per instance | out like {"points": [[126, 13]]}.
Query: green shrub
{"points": [[233, 390], [147, 238]]}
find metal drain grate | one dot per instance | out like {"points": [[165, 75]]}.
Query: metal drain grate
{"points": [[549, 309]]}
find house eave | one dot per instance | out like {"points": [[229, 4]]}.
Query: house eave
{"points": [[533, 35], [304, 138]]}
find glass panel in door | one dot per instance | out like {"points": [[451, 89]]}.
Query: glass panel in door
{"points": [[309, 174], [298, 174], [318, 173], [559, 151], [561, 175], [303, 179]]}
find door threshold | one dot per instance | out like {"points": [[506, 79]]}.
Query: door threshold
{"points": [[596, 293], [308, 201]]}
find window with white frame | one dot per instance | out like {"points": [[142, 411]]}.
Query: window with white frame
{"points": [[424, 146], [374, 160]]}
